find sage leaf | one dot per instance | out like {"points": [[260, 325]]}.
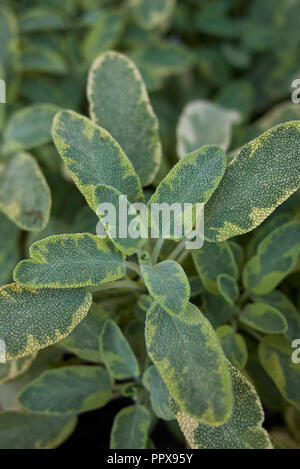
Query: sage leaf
{"points": [[40, 19], [116, 352], [34, 319], [264, 318], [67, 390], [20, 430], [204, 123], [159, 394], [27, 206], [130, 428], [93, 157], [185, 350], [70, 261], [261, 177], [234, 346], [9, 255], [275, 354], [14, 368], [119, 102], [152, 14], [228, 287]]}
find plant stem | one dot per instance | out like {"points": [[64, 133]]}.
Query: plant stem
{"points": [[180, 247], [251, 332], [182, 256], [134, 267], [130, 284], [157, 249]]}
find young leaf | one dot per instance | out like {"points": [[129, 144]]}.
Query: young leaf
{"points": [[34, 319], [204, 123], [119, 102], [276, 257], [19, 430], [212, 260], [185, 350], [84, 339], [14, 368], [264, 318], [116, 224], [228, 287], [243, 430], [167, 284], [275, 354], [29, 127], [93, 157], [242, 201], [234, 346], [70, 261], [67, 390], [159, 394], [152, 14], [130, 428], [26, 205], [116, 352]]}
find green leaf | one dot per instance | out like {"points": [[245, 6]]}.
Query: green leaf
{"points": [[275, 354], [43, 59], [278, 114], [14, 368], [67, 390], [116, 352], [119, 102], [130, 428], [193, 179], [34, 319], [29, 127], [234, 346], [185, 350], [152, 14], [204, 123], [76, 137], [40, 19], [167, 283], [276, 257], [9, 254], [84, 339], [217, 309], [228, 287], [8, 34], [104, 34], [28, 205], [115, 224], [212, 260], [159, 394], [261, 177], [70, 261], [20, 430], [279, 301], [243, 430], [263, 318]]}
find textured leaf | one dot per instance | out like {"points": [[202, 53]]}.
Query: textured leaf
{"points": [[115, 230], [93, 157], [68, 390], [119, 102], [84, 339], [40, 19], [279, 301], [228, 287], [9, 254], [283, 112], [234, 346], [275, 354], [130, 428], [167, 284], [20, 430], [159, 394], [276, 257], [217, 309], [104, 34], [152, 14], [242, 430], [116, 352], [260, 178], [70, 261], [263, 318], [14, 368], [27, 205], [213, 260], [186, 350], [29, 127], [193, 179], [34, 319], [204, 123]]}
